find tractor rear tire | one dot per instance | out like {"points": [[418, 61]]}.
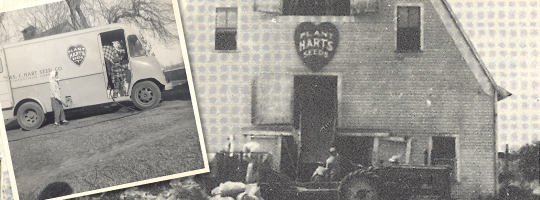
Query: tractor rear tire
{"points": [[359, 185]]}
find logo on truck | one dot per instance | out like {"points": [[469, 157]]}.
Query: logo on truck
{"points": [[77, 54]]}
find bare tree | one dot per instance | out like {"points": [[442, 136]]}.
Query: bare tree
{"points": [[42, 17], [154, 18], [79, 22], [4, 35]]}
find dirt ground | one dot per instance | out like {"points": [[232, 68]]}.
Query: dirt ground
{"points": [[107, 145]]}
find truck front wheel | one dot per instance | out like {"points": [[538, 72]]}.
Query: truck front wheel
{"points": [[146, 95], [30, 116]]}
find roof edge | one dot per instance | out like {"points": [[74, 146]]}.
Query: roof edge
{"points": [[500, 92]]}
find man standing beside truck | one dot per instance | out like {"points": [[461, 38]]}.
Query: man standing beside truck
{"points": [[56, 100]]}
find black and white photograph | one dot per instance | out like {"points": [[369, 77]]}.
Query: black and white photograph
{"points": [[360, 99], [367, 99], [96, 95]]}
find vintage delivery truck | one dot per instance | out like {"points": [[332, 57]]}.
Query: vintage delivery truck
{"points": [[78, 56]]}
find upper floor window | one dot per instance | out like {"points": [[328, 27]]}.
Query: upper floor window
{"points": [[226, 28], [316, 7], [408, 28]]}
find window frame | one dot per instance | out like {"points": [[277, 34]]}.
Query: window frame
{"points": [[219, 29], [289, 3], [421, 6], [456, 167], [129, 50]]}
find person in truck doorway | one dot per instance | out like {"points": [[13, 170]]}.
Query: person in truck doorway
{"points": [[116, 62], [56, 100]]}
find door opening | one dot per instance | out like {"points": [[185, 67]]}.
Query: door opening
{"points": [[116, 63], [315, 114]]}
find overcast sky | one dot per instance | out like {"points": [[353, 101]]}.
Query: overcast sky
{"points": [[505, 34]]}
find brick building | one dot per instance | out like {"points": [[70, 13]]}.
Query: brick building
{"points": [[374, 78]]}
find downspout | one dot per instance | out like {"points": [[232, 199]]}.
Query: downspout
{"points": [[495, 100]]}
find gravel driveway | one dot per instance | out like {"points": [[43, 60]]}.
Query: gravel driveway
{"points": [[108, 145]]}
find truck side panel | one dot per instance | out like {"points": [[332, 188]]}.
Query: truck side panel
{"points": [[84, 91], [78, 60], [31, 63]]}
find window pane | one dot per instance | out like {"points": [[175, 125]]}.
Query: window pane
{"points": [[232, 18], [318, 7], [225, 40], [443, 148], [135, 46], [221, 18], [402, 17], [414, 16]]}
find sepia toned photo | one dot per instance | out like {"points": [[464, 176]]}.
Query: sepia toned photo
{"points": [[366, 99], [96, 96], [361, 99]]}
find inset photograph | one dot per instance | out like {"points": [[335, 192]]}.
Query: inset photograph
{"points": [[96, 95]]}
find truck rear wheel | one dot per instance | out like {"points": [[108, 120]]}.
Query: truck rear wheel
{"points": [[358, 185], [30, 116], [146, 95]]}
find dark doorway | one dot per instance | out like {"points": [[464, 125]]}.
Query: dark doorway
{"points": [[443, 151], [356, 149], [289, 157], [315, 113], [116, 62]]}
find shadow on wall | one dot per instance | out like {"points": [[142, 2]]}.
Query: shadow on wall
{"points": [[55, 189]]}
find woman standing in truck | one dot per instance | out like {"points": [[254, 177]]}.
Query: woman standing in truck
{"points": [[56, 100]]}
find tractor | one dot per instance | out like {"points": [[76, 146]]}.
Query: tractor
{"points": [[396, 181]]}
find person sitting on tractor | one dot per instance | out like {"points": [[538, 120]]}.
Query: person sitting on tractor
{"points": [[334, 165], [320, 173]]}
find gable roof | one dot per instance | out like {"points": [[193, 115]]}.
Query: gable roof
{"points": [[467, 50]]}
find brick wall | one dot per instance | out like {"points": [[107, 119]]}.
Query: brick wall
{"points": [[410, 94]]}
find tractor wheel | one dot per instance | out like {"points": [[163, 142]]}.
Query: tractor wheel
{"points": [[359, 185]]}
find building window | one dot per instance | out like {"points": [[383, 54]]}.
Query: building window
{"points": [[408, 28], [316, 7], [226, 28]]}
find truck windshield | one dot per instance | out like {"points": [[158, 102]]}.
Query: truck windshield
{"points": [[135, 46]]}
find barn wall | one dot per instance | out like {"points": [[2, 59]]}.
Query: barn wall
{"points": [[424, 94]]}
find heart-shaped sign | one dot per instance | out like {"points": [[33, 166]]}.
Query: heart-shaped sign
{"points": [[316, 44], [77, 54]]}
